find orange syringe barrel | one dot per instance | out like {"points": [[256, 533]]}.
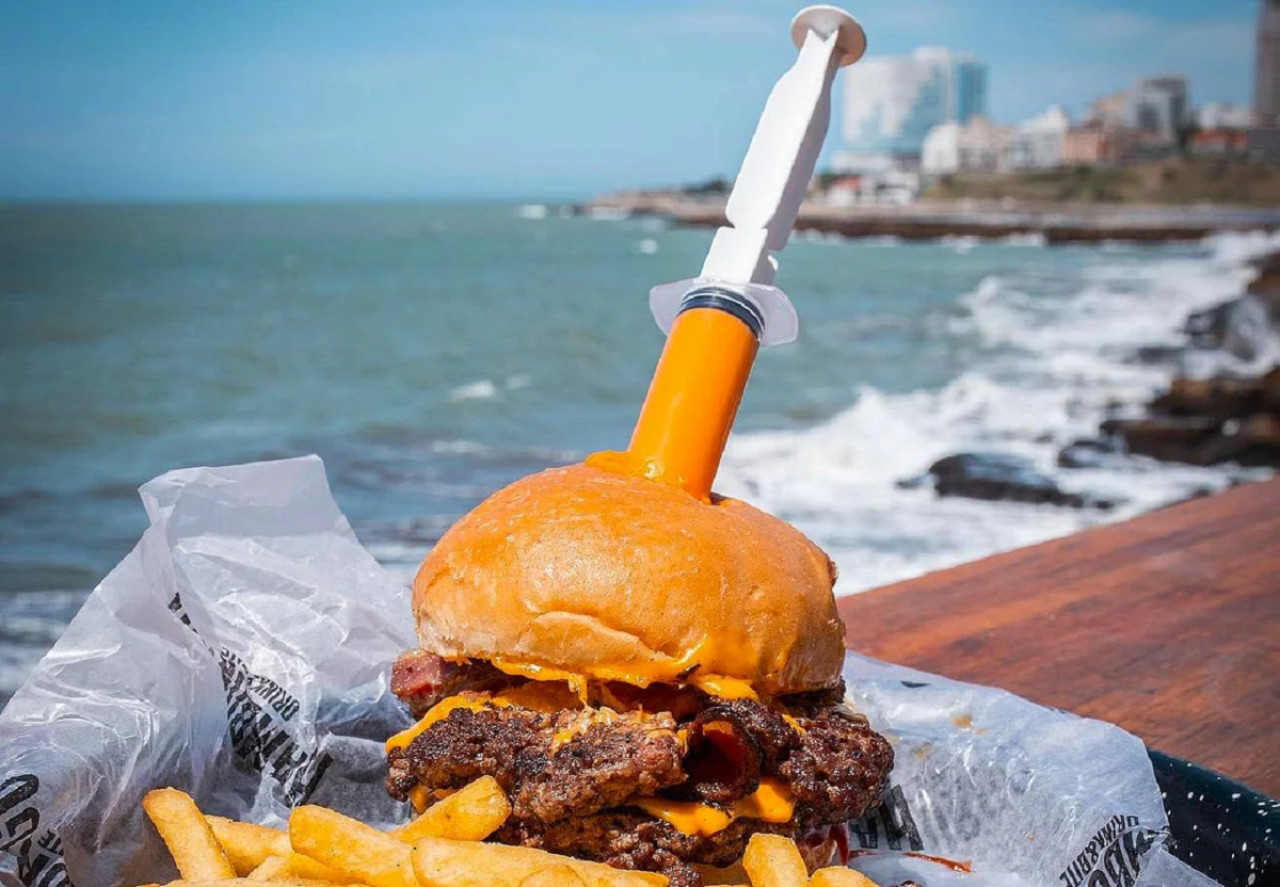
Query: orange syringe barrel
{"points": [[693, 399]]}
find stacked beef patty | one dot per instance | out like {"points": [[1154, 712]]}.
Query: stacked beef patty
{"points": [[595, 779]]}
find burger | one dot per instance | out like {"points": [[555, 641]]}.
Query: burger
{"points": [[652, 678]]}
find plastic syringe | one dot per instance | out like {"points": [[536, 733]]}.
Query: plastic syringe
{"points": [[717, 321]]}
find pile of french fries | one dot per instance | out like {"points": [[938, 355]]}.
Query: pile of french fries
{"points": [[442, 847]]}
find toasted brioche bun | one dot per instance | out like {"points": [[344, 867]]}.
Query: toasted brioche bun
{"points": [[580, 572]]}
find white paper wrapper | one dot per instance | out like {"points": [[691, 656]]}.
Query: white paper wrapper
{"points": [[241, 652]]}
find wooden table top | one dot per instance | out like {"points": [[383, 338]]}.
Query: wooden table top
{"points": [[1167, 624]]}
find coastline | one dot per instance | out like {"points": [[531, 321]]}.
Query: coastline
{"points": [[912, 353], [1058, 223]]}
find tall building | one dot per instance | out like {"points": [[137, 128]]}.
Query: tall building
{"points": [[1157, 106], [1266, 75], [891, 102]]}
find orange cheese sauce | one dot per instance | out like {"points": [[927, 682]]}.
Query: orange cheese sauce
{"points": [[771, 802], [536, 695]]}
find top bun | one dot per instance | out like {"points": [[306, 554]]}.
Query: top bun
{"points": [[582, 572]]}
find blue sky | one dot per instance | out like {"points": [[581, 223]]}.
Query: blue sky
{"points": [[162, 100]]}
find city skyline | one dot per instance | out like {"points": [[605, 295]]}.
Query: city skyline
{"points": [[151, 101], [890, 103]]}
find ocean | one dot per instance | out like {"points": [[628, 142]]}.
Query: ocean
{"points": [[431, 353]]}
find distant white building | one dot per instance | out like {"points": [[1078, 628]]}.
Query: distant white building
{"points": [[976, 146], [1222, 115], [885, 187], [940, 153], [891, 102], [1037, 143]]}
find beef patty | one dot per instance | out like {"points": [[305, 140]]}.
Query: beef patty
{"points": [[570, 773]]}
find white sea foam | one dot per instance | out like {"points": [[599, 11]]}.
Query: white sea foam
{"points": [[481, 389], [960, 243], [1052, 365], [1029, 238], [608, 213], [532, 211], [648, 246]]}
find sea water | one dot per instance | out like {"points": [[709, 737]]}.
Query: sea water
{"points": [[431, 353]]}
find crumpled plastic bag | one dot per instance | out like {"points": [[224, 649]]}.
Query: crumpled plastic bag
{"points": [[241, 652]]}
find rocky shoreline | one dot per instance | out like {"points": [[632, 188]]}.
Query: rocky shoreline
{"points": [[1211, 421], [932, 219], [1194, 421]]}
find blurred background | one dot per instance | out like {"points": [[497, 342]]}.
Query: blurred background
{"points": [[1035, 273]]}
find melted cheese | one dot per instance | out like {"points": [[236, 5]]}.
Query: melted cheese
{"points": [[724, 687], [544, 674], [536, 695], [771, 802], [420, 797], [439, 712], [638, 673], [541, 696], [580, 723], [688, 817], [795, 725]]}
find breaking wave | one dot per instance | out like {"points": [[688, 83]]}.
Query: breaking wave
{"points": [[1051, 368]]}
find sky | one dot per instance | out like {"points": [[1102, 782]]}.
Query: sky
{"points": [[541, 99]]}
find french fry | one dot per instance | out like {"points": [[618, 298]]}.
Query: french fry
{"points": [[840, 877], [272, 868], [247, 845], [556, 876], [774, 861], [440, 862], [195, 850], [351, 847], [307, 868], [245, 882], [470, 814]]}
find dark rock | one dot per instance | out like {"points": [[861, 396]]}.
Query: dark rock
{"points": [[1242, 326], [1091, 452], [1267, 284], [1209, 421], [1168, 438], [1200, 440], [1205, 327], [1000, 476], [1158, 355], [1220, 399]]}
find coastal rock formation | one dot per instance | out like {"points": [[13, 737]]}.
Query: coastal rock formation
{"points": [[1209, 421], [1227, 418], [1089, 452], [998, 476], [1242, 326]]}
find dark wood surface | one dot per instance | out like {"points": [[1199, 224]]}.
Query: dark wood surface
{"points": [[1167, 624]]}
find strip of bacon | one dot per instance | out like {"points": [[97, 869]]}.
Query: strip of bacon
{"points": [[422, 679]]}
